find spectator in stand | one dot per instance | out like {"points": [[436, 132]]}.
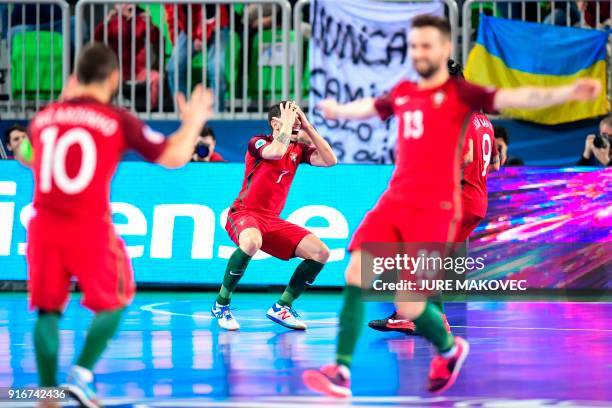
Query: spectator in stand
{"points": [[589, 8], [251, 17], [13, 137], [558, 16], [205, 149], [501, 143], [597, 147], [122, 15], [177, 19]]}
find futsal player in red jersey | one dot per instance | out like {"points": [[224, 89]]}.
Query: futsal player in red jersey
{"points": [[76, 145], [423, 200], [254, 222], [480, 156]]}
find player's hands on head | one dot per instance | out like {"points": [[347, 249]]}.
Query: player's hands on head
{"points": [[303, 119], [199, 108], [288, 114], [329, 107], [586, 89]]}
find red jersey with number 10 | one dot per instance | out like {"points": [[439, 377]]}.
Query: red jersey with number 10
{"points": [[266, 182], [475, 174], [431, 125], [77, 147]]}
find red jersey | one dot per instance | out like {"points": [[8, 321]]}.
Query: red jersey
{"points": [[474, 195], [77, 146], [266, 182], [431, 123], [216, 157]]}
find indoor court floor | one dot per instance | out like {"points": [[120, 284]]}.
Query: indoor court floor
{"points": [[169, 354]]}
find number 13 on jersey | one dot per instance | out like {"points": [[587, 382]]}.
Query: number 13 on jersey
{"points": [[412, 124]]}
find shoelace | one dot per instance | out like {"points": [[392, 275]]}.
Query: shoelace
{"points": [[439, 368], [293, 312], [226, 312]]}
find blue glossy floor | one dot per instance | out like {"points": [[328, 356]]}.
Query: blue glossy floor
{"points": [[168, 354]]}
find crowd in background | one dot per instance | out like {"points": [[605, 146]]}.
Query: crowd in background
{"points": [[116, 30]]}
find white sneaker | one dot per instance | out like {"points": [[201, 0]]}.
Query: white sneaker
{"points": [[224, 317], [285, 316]]}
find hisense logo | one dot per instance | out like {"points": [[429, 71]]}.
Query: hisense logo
{"points": [[153, 234]]}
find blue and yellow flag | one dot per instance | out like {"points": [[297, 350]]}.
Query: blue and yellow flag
{"points": [[511, 53]]}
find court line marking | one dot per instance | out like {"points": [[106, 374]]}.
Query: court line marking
{"points": [[151, 308], [322, 401]]}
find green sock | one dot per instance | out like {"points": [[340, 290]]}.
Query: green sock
{"points": [[46, 346], [304, 276], [430, 325], [236, 266], [437, 302], [351, 323], [102, 329]]}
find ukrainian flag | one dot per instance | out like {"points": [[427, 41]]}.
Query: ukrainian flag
{"points": [[511, 53]]}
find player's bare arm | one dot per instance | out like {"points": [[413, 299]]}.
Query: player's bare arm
{"points": [[194, 114], [277, 149], [324, 155], [495, 164], [359, 109], [538, 97]]}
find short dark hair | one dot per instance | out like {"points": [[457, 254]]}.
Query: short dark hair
{"points": [[429, 20], [96, 63], [206, 131], [455, 69], [607, 120], [11, 129], [274, 111], [502, 133]]}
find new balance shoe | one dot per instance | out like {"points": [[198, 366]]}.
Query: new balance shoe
{"points": [[444, 370], [285, 316], [393, 323], [81, 386], [224, 317], [332, 380]]}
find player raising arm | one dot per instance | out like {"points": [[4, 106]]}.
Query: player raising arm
{"points": [[76, 145], [526, 97], [422, 203]]}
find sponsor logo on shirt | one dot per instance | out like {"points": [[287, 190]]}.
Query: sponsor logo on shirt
{"points": [[438, 98], [293, 157], [259, 143], [402, 100]]}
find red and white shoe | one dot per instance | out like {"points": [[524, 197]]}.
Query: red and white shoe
{"points": [[332, 380], [444, 371]]}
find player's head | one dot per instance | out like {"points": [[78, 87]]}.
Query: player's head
{"points": [[98, 66], [605, 126], [430, 44], [274, 114], [14, 135], [455, 69], [501, 134]]}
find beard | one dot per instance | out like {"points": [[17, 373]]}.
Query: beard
{"points": [[428, 71]]}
